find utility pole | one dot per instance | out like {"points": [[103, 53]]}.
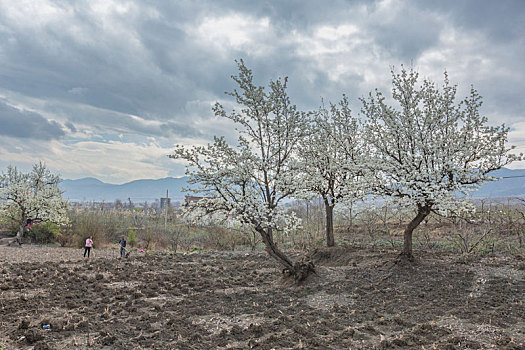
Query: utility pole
{"points": [[166, 217]]}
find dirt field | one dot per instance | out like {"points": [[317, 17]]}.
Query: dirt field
{"points": [[238, 300]]}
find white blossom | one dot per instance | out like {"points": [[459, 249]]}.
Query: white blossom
{"points": [[35, 196], [334, 160], [431, 148], [248, 181]]}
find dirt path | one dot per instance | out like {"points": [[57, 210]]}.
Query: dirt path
{"points": [[358, 300]]}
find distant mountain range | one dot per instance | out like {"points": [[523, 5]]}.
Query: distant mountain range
{"points": [[138, 191], [512, 184]]}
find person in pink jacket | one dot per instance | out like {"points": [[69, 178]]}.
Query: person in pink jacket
{"points": [[89, 245]]}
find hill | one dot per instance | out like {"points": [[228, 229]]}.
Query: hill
{"points": [[91, 189], [511, 184]]}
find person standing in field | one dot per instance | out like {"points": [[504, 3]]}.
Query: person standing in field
{"points": [[88, 246], [122, 247]]}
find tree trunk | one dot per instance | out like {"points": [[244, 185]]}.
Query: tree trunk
{"points": [[329, 209], [21, 227], [299, 270], [272, 249], [422, 213]]}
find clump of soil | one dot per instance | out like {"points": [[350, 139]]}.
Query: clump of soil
{"points": [[358, 298]]}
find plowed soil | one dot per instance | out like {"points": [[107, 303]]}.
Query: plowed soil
{"points": [[359, 299]]}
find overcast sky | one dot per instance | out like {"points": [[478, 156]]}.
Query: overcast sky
{"points": [[106, 88]]}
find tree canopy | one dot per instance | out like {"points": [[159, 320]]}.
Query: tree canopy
{"points": [[431, 147], [422, 147], [249, 180], [334, 160], [33, 196]]}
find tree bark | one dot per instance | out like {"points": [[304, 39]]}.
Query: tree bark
{"points": [[272, 249], [422, 213], [329, 209], [299, 270], [21, 226]]}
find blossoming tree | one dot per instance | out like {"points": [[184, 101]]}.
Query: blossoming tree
{"points": [[431, 147], [32, 196], [248, 181], [334, 160]]}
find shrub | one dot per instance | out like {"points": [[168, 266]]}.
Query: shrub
{"points": [[132, 238], [43, 233]]}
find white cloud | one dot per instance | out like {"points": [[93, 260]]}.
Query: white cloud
{"points": [[234, 31], [345, 53], [33, 14], [470, 46], [78, 91], [517, 139], [112, 161]]}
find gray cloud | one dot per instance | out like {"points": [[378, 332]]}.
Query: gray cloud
{"points": [[500, 20], [144, 61], [71, 127], [106, 121], [25, 124], [142, 68], [406, 31], [156, 74]]}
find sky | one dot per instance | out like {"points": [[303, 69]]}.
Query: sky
{"points": [[106, 88]]}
